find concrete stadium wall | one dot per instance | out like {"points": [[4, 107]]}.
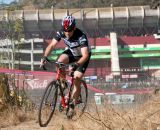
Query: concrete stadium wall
{"points": [[102, 19]]}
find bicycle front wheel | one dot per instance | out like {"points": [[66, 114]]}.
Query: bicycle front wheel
{"points": [[48, 104]]}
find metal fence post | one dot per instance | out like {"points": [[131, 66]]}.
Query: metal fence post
{"points": [[32, 58]]}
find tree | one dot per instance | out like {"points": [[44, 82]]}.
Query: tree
{"points": [[12, 31]]}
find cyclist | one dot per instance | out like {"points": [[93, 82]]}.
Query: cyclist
{"points": [[78, 52]]}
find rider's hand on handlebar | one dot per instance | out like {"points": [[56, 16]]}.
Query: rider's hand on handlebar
{"points": [[44, 60]]}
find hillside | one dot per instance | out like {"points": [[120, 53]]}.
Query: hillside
{"points": [[41, 4]]}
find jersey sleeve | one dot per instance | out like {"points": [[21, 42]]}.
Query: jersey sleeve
{"points": [[58, 36], [83, 41]]}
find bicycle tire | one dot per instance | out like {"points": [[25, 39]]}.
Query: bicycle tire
{"points": [[84, 95], [80, 107], [49, 100]]}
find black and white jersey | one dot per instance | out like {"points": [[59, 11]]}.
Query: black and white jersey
{"points": [[75, 43]]}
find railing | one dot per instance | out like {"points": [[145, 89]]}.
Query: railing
{"points": [[23, 54]]}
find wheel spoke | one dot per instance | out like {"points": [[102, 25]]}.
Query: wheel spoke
{"points": [[48, 104]]}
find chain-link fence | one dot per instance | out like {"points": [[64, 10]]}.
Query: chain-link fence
{"points": [[117, 93]]}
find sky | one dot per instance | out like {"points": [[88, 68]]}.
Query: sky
{"points": [[6, 1]]}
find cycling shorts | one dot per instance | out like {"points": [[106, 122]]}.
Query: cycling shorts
{"points": [[72, 59]]}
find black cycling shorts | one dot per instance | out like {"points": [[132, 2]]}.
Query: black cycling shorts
{"points": [[73, 59]]}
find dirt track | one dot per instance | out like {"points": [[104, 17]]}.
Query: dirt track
{"points": [[145, 117], [59, 122]]}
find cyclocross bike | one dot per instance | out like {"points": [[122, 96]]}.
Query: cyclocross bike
{"points": [[57, 94]]}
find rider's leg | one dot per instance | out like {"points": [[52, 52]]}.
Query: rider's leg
{"points": [[78, 74], [75, 93], [63, 58], [77, 89]]}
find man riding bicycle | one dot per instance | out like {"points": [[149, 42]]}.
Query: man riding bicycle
{"points": [[78, 53]]}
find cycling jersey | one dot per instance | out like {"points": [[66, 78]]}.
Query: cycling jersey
{"points": [[74, 43]]}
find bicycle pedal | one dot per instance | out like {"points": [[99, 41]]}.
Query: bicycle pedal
{"points": [[71, 113]]}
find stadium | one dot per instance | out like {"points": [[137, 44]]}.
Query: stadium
{"points": [[135, 37]]}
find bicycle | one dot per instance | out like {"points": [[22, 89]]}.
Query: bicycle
{"points": [[55, 91]]}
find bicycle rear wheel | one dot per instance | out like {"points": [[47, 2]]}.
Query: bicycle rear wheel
{"points": [[48, 104]]}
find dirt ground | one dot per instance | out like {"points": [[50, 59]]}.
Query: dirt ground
{"points": [[144, 117]]}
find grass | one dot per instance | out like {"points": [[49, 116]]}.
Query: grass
{"points": [[106, 117], [14, 116]]}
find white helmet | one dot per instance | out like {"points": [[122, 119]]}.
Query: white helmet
{"points": [[68, 23]]}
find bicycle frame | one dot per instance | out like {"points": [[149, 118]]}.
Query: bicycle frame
{"points": [[48, 103], [61, 75]]}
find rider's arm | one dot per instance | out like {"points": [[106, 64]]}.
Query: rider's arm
{"points": [[50, 47], [47, 51], [84, 50], [85, 55]]}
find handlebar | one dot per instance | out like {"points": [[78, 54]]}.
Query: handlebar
{"points": [[60, 65]]}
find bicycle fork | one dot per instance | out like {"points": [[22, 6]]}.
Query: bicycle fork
{"points": [[64, 98]]}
